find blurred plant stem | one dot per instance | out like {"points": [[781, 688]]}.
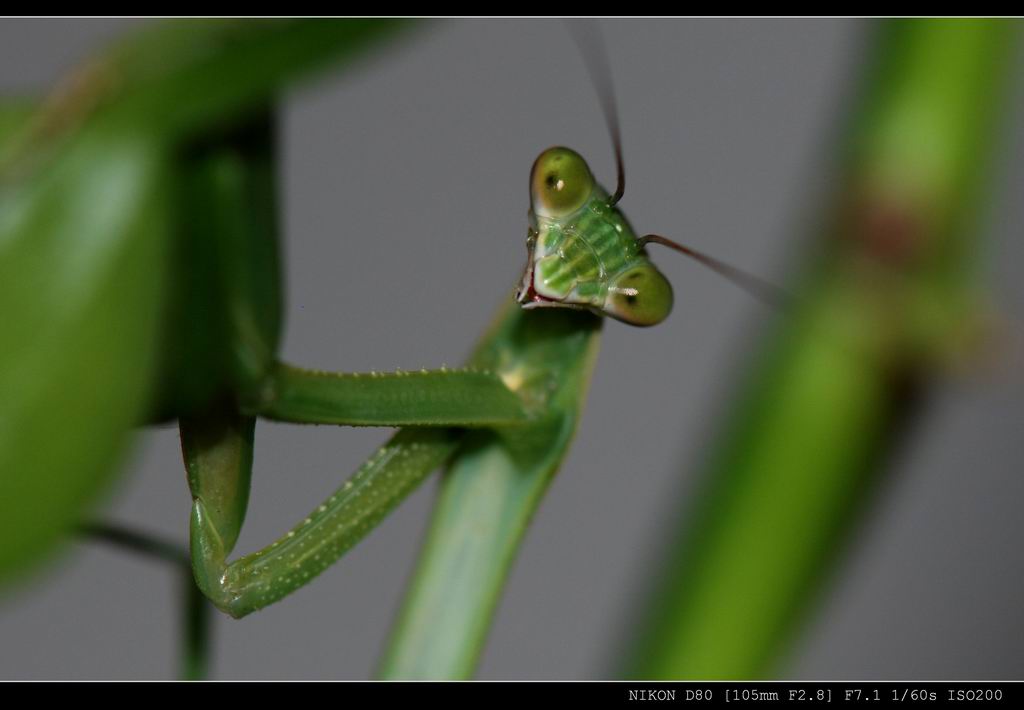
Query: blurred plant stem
{"points": [[195, 609], [196, 648], [889, 299]]}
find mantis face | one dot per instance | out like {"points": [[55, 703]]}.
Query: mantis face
{"points": [[582, 253]]}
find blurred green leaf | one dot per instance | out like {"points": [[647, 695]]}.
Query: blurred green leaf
{"points": [[185, 76], [14, 115], [82, 246], [94, 230]]}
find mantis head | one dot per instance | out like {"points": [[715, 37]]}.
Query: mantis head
{"points": [[582, 252]]}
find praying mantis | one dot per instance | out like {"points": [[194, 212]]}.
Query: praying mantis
{"points": [[85, 294], [583, 257], [519, 396]]}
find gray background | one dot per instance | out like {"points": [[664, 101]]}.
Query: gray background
{"points": [[413, 165]]}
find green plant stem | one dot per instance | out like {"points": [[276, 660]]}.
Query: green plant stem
{"points": [[887, 302], [196, 644], [195, 609], [134, 541], [490, 493]]}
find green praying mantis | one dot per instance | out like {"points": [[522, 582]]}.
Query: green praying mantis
{"points": [[139, 265], [582, 255], [139, 284]]}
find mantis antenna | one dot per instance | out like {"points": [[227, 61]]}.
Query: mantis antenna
{"points": [[762, 290], [595, 56]]}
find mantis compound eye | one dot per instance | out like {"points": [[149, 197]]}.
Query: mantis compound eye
{"points": [[560, 182], [639, 296]]}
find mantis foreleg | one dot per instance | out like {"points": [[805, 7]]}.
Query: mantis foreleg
{"points": [[218, 455], [228, 182], [464, 397]]}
